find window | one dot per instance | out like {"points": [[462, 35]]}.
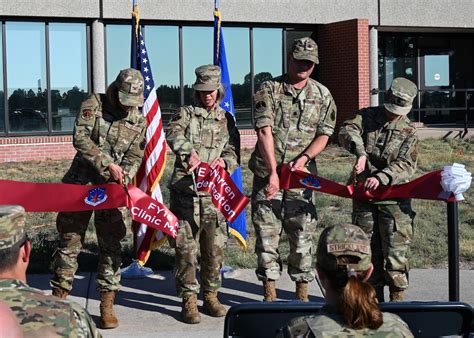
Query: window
{"points": [[162, 43], [267, 54], [118, 40], [237, 50], [197, 51], [26, 76], [68, 69]]}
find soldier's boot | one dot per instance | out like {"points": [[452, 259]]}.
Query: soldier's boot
{"points": [[379, 293], [302, 291], [60, 293], [212, 305], [269, 291], [107, 313], [396, 294], [189, 310]]}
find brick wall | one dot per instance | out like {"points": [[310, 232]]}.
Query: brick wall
{"points": [[17, 149], [344, 64]]}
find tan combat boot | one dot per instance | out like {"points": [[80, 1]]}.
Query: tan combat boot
{"points": [[107, 314], [60, 293], [212, 304], [269, 291], [396, 295], [302, 291], [189, 310]]}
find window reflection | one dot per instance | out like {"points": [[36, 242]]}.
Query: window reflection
{"points": [[68, 57], [26, 76], [267, 49], [238, 62], [197, 51], [118, 46], [163, 49]]}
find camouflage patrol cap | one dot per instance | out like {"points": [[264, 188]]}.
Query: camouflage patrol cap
{"points": [[400, 96], [129, 83], [343, 240], [305, 49], [12, 225], [208, 78]]}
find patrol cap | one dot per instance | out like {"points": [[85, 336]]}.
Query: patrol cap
{"points": [[12, 225], [343, 240], [129, 83], [400, 96], [305, 49], [208, 78]]}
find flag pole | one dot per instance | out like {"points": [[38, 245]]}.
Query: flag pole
{"points": [[453, 251]]}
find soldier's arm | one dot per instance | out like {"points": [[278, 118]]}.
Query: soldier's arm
{"points": [[176, 135], [350, 135], [231, 151], [85, 324], [132, 159], [404, 166], [82, 136]]}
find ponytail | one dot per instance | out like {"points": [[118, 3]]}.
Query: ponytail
{"points": [[358, 305], [356, 298]]}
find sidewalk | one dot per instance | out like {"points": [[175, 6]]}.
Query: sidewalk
{"points": [[149, 307]]}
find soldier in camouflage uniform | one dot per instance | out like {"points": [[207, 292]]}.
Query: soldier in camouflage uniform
{"points": [[109, 136], [38, 314], [294, 118], [203, 132], [385, 143], [344, 265]]}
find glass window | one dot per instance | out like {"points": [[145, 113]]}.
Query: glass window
{"points": [[26, 76], [162, 43], [68, 60], [118, 49], [237, 50], [436, 70], [2, 94], [197, 51], [267, 54]]}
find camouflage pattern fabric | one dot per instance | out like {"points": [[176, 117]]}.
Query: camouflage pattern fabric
{"points": [[211, 134], [329, 323], [296, 118], [391, 149], [12, 225], [42, 315], [102, 135]]}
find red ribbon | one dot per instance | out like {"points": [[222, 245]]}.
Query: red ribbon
{"points": [[57, 197], [224, 193], [426, 187]]}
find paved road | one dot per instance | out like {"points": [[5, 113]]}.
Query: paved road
{"points": [[149, 307]]}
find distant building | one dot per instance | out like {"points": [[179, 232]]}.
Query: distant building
{"points": [[55, 52]]}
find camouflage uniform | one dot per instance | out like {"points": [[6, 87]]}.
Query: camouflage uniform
{"points": [[103, 134], [39, 315], [296, 117], [335, 242], [328, 323], [391, 150], [211, 134]]}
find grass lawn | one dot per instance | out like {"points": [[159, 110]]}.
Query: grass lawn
{"points": [[429, 247]]}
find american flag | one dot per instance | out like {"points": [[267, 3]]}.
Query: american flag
{"points": [[153, 165]]}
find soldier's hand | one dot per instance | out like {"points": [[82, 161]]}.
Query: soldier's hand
{"points": [[359, 166], [299, 163], [371, 183], [193, 161], [273, 186], [116, 172], [218, 162]]}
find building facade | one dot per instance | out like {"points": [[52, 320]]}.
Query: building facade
{"points": [[53, 53]]}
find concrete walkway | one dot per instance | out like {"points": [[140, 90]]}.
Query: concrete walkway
{"points": [[149, 307]]}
